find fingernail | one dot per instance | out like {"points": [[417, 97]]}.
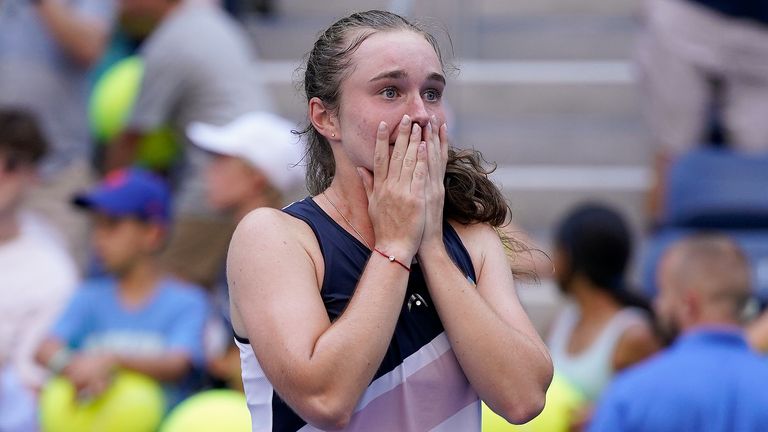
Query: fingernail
{"points": [[433, 120], [405, 120], [416, 128], [382, 126], [429, 127]]}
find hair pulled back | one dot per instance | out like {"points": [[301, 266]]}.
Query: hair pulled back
{"points": [[469, 195]]}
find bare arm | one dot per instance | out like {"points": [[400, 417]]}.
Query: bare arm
{"points": [[636, 344], [322, 368], [168, 367], [46, 351], [494, 341], [84, 39], [83, 367]]}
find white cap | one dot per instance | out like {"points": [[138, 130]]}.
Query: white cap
{"points": [[262, 139]]}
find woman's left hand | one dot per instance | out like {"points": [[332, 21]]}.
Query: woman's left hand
{"points": [[436, 138]]}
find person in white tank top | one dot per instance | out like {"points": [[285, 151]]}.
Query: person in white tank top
{"points": [[604, 327]]}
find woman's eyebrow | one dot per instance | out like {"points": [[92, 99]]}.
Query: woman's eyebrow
{"points": [[434, 76], [395, 74], [401, 74]]}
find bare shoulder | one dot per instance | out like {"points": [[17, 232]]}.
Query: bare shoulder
{"points": [[482, 242], [270, 234], [476, 237], [273, 256], [637, 343], [265, 226], [267, 219]]}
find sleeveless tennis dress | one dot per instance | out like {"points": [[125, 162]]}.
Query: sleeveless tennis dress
{"points": [[419, 385]]}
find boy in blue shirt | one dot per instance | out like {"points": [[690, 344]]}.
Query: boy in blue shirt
{"points": [[138, 318]]}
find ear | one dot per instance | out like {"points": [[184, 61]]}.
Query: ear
{"points": [[323, 120], [155, 237], [692, 305]]}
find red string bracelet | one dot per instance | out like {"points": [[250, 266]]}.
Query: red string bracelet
{"points": [[392, 258]]}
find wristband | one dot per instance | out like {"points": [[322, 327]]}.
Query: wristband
{"points": [[59, 360], [392, 258]]}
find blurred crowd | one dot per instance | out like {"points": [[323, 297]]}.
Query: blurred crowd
{"points": [[135, 134]]}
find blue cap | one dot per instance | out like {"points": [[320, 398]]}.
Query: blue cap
{"points": [[130, 192]]}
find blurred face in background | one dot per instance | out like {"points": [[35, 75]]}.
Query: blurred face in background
{"points": [[122, 243], [230, 182]]}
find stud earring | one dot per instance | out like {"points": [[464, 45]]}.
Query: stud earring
{"points": [[333, 135]]}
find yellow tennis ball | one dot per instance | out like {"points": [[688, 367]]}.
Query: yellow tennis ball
{"points": [[113, 97], [158, 149], [112, 101], [212, 410], [563, 399], [132, 403]]}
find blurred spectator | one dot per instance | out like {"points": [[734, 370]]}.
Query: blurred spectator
{"points": [[697, 55], [29, 298], [198, 66], [254, 165], [709, 380], [139, 319], [46, 50], [604, 327]]}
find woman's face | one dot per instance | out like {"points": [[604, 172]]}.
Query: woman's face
{"points": [[230, 182], [391, 74]]}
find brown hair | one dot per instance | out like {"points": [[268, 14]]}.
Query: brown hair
{"points": [[21, 137], [470, 196]]}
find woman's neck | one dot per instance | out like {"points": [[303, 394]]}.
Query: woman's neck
{"points": [[593, 301], [137, 284], [349, 204]]}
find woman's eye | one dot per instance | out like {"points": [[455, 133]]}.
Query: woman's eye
{"points": [[432, 95], [389, 93]]}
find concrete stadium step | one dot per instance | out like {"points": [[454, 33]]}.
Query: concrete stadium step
{"points": [[545, 29], [506, 101], [560, 37], [546, 7], [556, 139], [537, 210]]}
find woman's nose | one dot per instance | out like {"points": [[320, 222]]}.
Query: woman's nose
{"points": [[418, 112]]}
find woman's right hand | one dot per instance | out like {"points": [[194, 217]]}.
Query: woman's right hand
{"points": [[396, 191]]}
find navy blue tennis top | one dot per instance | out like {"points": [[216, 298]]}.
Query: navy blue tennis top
{"points": [[419, 384]]}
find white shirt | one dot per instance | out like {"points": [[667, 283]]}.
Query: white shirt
{"points": [[592, 369], [37, 277]]}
